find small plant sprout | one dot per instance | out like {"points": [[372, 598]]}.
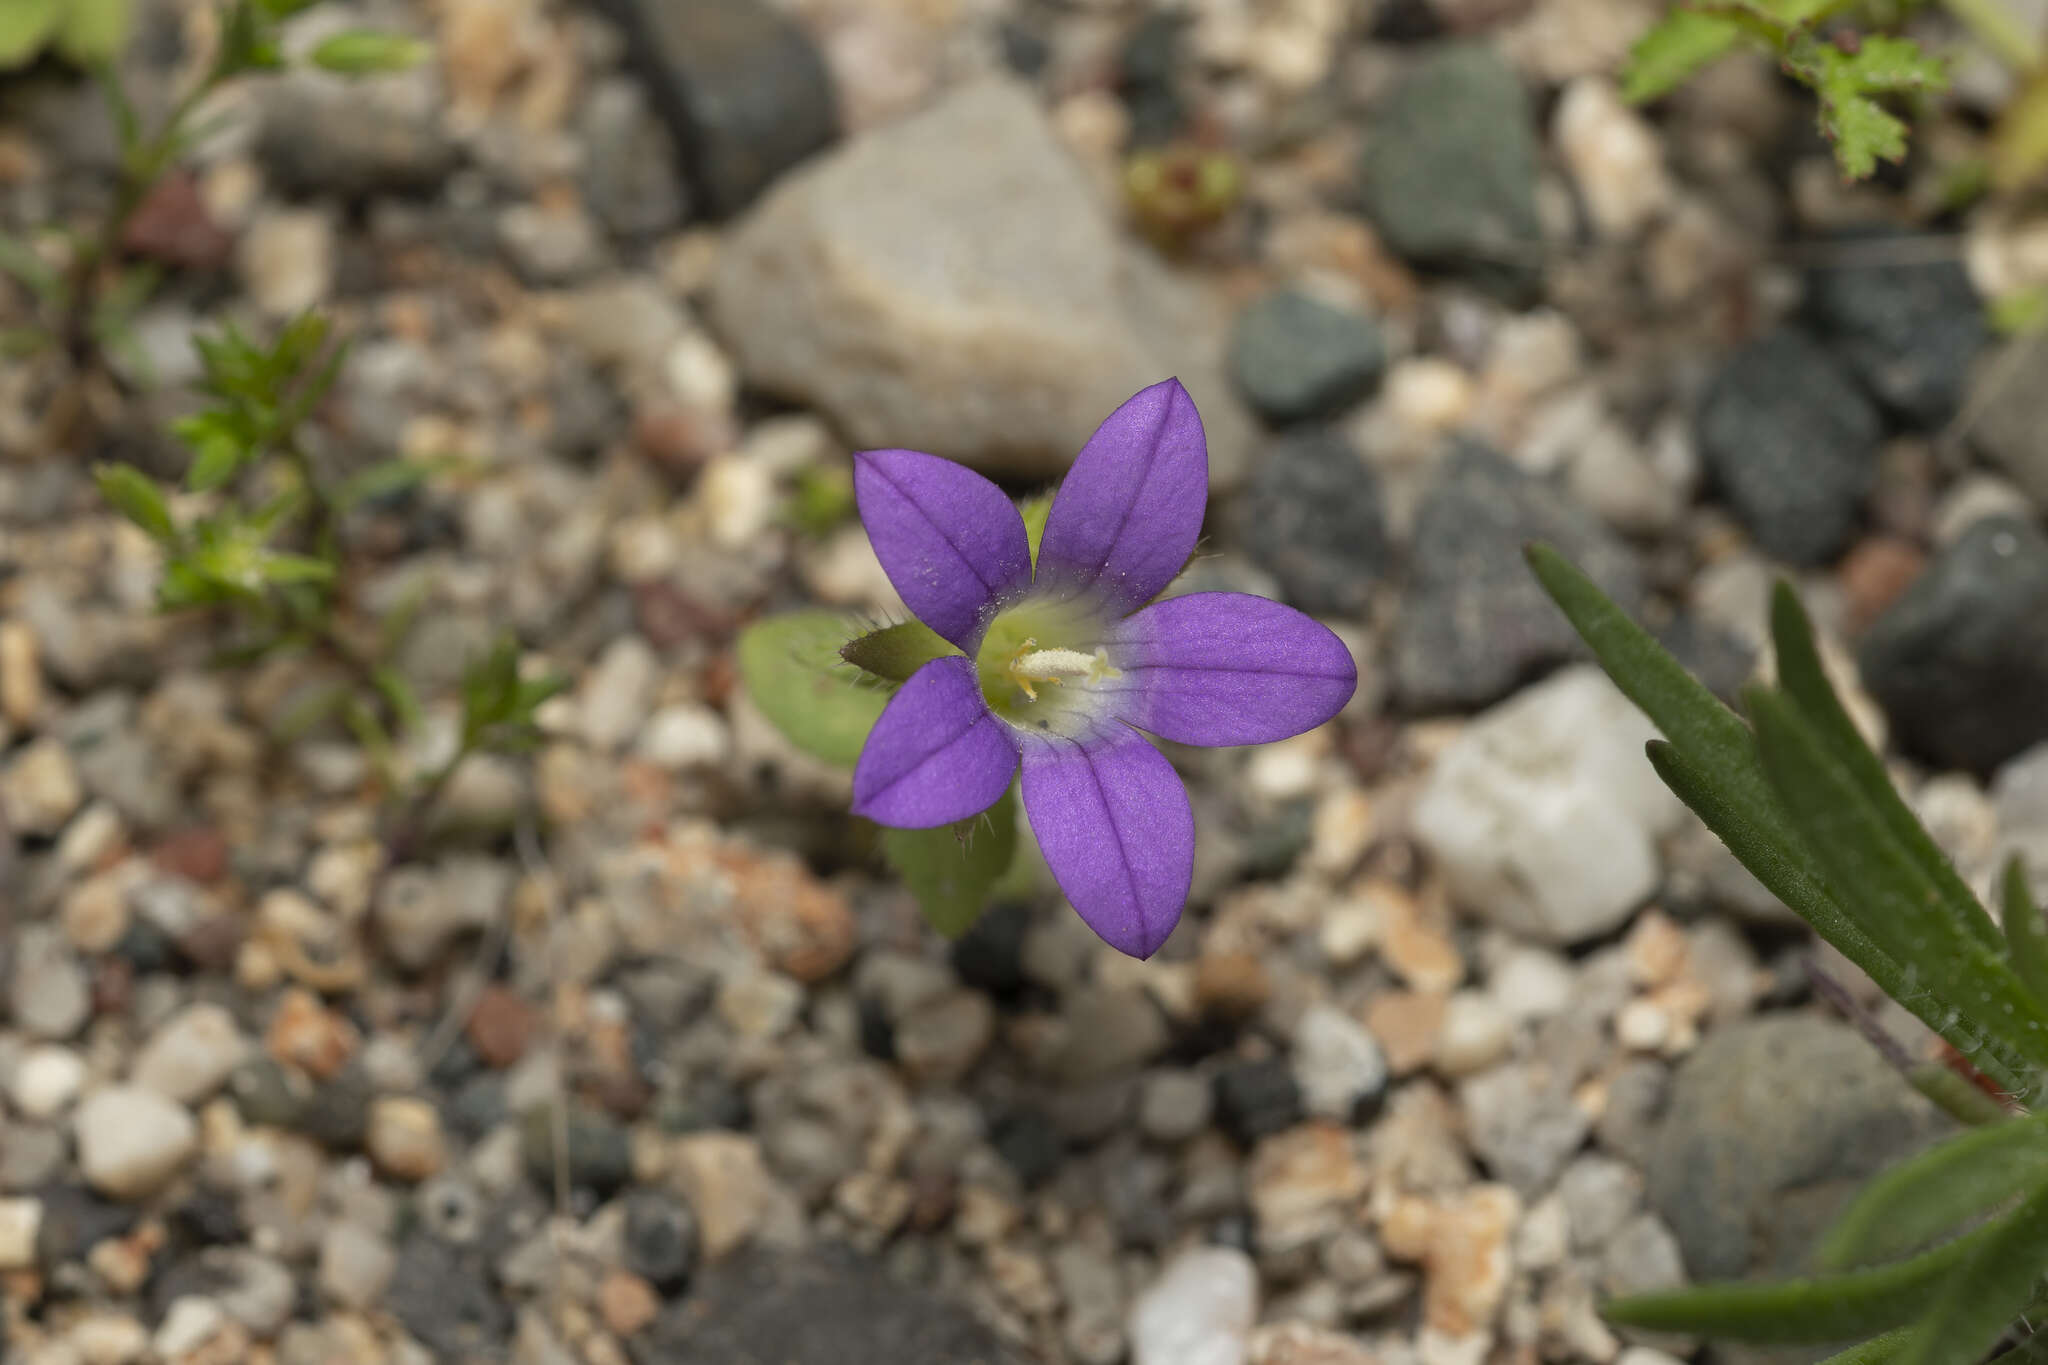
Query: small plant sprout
{"points": [[1940, 1256], [1052, 663]]}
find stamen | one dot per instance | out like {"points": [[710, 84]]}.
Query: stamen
{"points": [[1032, 665]]}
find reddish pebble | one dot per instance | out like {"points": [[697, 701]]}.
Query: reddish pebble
{"points": [[199, 855], [627, 1303], [500, 1027], [1875, 573], [306, 1034], [172, 225]]}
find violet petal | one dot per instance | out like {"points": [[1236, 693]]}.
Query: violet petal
{"points": [[1117, 831], [1128, 514], [949, 540], [1217, 668], [936, 753]]}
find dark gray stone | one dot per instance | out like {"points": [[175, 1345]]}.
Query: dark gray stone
{"points": [[661, 1238], [1909, 331], [600, 1158], [1474, 621], [1791, 443], [1448, 173], [1960, 661], [1313, 518], [320, 137], [630, 174], [1256, 1099], [1296, 358], [337, 1116], [444, 1299], [830, 1307], [268, 1093], [742, 89], [1771, 1126]]}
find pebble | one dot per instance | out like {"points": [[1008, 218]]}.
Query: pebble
{"points": [[1910, 331], [192, 1054], [356, 1266], [21, 1221], [1973, 498], [48, 994], [1474, 622], [1468, 1262], [1303, 1184], [1257, 1098], [46, 1081], [1476, 1033], [1296, 358], [21, 675], [1955, 662], [1532, 983], [1448, 174], [1407, 1025], [318, 136], [286, 261], [1198, 1312], [132, 1141], [40, 788], [599, 1156], [1312, 516], [626, 1302], [615, 695], [190, 1323], [1523, 1122], [1337, 1064], [1544, 813], [685, 736], [1613, 155], [405, 1139], [949, 282], [939, 1042], [420, 911], [727, 1185], [660, 1239], [1791, 442], [1174, 1106], [305, 1034]]}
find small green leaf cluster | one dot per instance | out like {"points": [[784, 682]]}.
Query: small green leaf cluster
{"points": [[1941, 1255], [1853, 75], [822, 680], [259, 536]]}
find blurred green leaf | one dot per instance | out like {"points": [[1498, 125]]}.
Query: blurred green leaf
{"points": [[399, 695], [823, 499], [1849, 83], [791, 668], [2019, 139], [368, 52], [895, 652], [1822, 1308], [19, 259], [2022, 312], [246, 40], [1876, 1351], [19, 343], [1933, 1194], [94, 31], [135, 496], [1981, 1299], [1678, 45], [952, 869], [287, 568], [1956, 1094], [1804, 680], [218, 449], [26, 27], [2026, 935]]}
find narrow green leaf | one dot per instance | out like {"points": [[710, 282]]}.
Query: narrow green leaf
{"points": [[895, 652], [1792, 876], [284, 569], [216, 459], [791, 668], [2026, 935], [1679, 44], [368, 52], [1981, 1299], [399, 695], [1805, 681], [25, 27], [1931, 1195], [135, 496], [1896, 903], [952, 869], [1957, 1095], [1822, 1308], [1878, 1350]]}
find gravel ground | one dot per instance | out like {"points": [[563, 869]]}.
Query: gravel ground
{"points": [[644, 1057]]}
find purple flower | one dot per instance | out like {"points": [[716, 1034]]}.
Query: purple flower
{"points": [[1061, 667]]}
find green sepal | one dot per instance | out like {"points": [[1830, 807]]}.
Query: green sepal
{"points": [[952, 870], [893, 653], [1035, 511], [790, 666]]}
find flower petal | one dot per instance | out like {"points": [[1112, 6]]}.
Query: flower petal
{"points": [[1130, 510], [1228, 668], [949, 540], [1114, 823], [936, 754]]}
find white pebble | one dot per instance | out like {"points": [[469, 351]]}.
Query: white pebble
{"points": [[46, 1081], [685, 735], [1198, 1312]]}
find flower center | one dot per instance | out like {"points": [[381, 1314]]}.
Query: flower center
{"points": [[1039, 663]]}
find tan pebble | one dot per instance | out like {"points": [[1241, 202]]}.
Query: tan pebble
{"points": [[1407, 1026], [1469, 1263], [1655, 947], [1231, 985], [21, 674], [627, 1303], [404, 1138], [1413, 942], [804, 927], [306, 1034]]}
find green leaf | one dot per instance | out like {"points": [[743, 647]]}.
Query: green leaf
{"points": [[2026, 935], [1805, 682], [368, 52], [1876, 1351], [791, 668], [1679, 44], [19, 259], [94, 31], [135, 496], [1981, 1299], [25, 27], [895, 652], [217, 453], [19, 343], [399, 695], [1822, 1308], [246, 42], [1957, 1095], [1897, 904], [1849, 84], [285, 569], [1933, 1194], [952, 869], [822, 500]]}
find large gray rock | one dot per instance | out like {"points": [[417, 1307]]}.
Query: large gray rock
{"points": [[949, 283], [1772, 1125], [2010, 399]]}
